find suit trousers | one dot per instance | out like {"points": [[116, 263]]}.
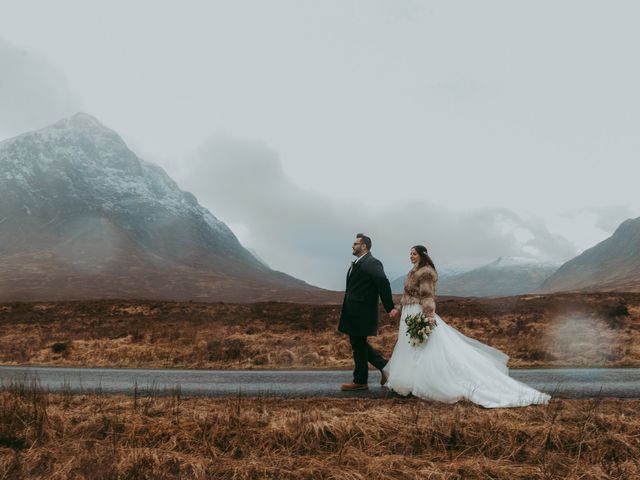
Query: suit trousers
{"points": [[363, 355]]}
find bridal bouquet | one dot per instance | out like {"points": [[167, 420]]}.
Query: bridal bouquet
{"points": [[419, 328]]}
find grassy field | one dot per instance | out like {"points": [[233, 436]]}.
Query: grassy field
{"points": [[601, 329], [100, 437], [56, 437]]}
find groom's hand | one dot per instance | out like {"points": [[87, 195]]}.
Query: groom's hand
{"points": [[394, 313]]}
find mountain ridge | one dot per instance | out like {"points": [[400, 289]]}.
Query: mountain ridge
{"points": [[505, 276], [78, 204], [611, 265]]}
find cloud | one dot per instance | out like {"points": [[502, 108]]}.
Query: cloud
{"points": [[309, 234], [461, 88], [404, 9], [33, 92], [610, 217], [606, 218]]}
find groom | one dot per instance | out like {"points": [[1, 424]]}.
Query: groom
{"points": [[366, 282]]}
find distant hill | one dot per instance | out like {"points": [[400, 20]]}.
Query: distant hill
{"points": [[81, 216], [503, 277], [397, 285], [611, 265]]}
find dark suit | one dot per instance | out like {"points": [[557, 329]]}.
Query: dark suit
{"points": [[366, 282]]}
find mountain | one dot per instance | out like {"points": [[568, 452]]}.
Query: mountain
{"points": [[611, 265], [397, 285], [503, 277], [81, 216]]}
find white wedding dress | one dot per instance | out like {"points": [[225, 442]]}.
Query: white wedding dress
{"points": [[449, 367]]}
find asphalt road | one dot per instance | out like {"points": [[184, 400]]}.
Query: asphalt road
{"points": [[567, 383]]}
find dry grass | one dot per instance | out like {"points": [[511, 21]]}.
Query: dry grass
{"points": [[45, 436], [601, 329]]}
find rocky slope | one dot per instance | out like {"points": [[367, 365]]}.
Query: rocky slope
{"points": [[503, 277], [611, 265], [81, 216]]}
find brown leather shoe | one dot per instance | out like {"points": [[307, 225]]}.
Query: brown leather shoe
{"points": [[383, 378], [349, 387]]}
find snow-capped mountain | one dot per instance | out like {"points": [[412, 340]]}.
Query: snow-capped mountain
{"points": [[502, 277], [81, 216], [611, 265]]}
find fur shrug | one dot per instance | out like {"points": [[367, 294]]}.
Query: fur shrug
{"points": [[420, 287]]}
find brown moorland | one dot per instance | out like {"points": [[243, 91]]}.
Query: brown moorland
{"points": [[577, 329], [98, 437]]}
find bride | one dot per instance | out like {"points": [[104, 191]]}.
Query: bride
{"points": [[449, 366]]}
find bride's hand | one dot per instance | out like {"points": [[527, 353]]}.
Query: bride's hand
{"points": [[394, 313]]}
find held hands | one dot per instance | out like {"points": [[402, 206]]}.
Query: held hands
{"points": [[394, 313]]}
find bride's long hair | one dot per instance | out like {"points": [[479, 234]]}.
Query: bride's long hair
{"points": [[425, 259]]}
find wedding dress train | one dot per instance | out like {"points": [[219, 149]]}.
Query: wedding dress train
{"points": [[450, 366]]}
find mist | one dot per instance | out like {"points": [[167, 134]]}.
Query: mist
{"points": [[479, 129], [309, 234], [33, 92]]}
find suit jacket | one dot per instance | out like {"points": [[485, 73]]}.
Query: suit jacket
{"points": [[366, 282]]}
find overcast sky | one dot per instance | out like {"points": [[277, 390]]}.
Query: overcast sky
{"points": [[477, 128]]}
